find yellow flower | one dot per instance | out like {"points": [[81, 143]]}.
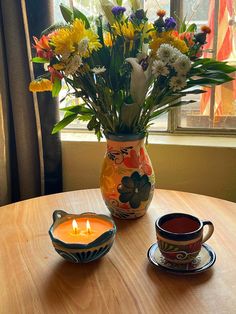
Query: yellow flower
{"points": [[147, 30], [156, 43], [75, 38], [107, 39], [126, 29], [167, 38], [181, 45], [40, 85]]}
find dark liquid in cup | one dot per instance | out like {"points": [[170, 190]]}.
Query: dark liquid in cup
{"points": [[180, 225]]}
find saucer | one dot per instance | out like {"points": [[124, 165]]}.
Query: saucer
{"points": [[205, 259]]}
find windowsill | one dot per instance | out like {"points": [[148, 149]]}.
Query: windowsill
{"points": [[161, 139]]}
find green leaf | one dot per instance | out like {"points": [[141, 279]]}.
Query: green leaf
{"points": [[182, 102], [217, 75], [99, 134], [167, 108], [56, 87], [92, 123], [206, 81], [117, 60], [79, 109], [167, 100], [85, 118], [220, 66], [214, 65], [39, 60], [63, 123], [192, 28], [200, 62], [52, 28], [100, 30], [182, 27], [67, 114], [117, 100], [129, 116], [193, 91], [70, 108], [67, 13], [79, 15]]}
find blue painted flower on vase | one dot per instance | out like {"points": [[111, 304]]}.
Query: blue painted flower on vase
{"points": [[134, 189]]}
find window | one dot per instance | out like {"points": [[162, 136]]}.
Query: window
{"points": [[214, 111]]}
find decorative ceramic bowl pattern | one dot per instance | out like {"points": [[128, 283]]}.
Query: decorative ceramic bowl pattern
{"points": [[82, 253]]}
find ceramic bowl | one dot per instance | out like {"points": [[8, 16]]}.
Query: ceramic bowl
{"points": [[77, 252]]}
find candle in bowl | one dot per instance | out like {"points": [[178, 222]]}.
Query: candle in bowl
{"points": [[82, 238]]}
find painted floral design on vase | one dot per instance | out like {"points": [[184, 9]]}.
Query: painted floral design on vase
{"points": [[127, 179]]}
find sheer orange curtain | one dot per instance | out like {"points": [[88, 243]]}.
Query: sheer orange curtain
{"points": [[224, 95]]}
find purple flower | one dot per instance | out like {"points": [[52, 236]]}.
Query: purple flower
{"points": [[170, 23], [118, 11], [132, 17], [200, 38], [140, 14]]}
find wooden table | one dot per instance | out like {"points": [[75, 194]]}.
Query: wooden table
{"points": [[35, 279]]}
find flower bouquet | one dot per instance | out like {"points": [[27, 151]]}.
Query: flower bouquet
{"points": [[124, 71]]}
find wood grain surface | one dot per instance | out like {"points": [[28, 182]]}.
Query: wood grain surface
{"points": [[35, 279]]}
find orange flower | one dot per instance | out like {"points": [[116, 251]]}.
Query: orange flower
{"points": [[42, 47], [54, 74], [175, 33], [206, 29], [161, 13], [187, 36]]}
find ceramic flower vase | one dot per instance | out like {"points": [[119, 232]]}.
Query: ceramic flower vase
{"points": [[127, 178]]}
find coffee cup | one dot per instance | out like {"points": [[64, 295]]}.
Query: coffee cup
{"points": [[180, 236]]}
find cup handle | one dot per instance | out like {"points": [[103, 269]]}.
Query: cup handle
{"points": [[57, 214], [210, 230]]}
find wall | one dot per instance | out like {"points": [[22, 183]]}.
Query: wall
{"points": [[198, 169]]}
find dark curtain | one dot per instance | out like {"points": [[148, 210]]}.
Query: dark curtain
{"points": [[40, 16], [30, 157]]}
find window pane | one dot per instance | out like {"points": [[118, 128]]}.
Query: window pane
{"points": [[217, 107], [160, 123], [152, 6], [57, 13]]}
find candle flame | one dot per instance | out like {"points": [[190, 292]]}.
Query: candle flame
{"points": [[88, 227], [75, 227]]}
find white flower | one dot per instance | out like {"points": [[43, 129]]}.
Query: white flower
{"points": [[73, 64], [177, 82], [159, 68], [182, 65], [139, 80], [83, 45], [166, 52], [175, 55], [98, 70]]}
